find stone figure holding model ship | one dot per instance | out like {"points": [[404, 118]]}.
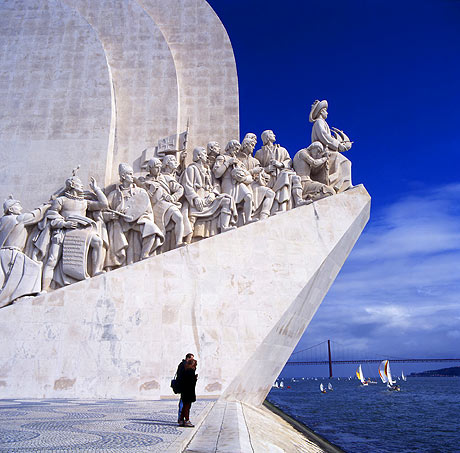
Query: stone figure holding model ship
{"points": [[335, 143], [73, 234]]}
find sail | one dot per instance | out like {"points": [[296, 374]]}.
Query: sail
{"points": [[402, 376], [382, 372], [329, 386], [281, 384], [321, 387], [388, 373], [359, 374]]}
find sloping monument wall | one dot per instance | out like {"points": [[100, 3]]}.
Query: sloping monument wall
{"points": [[95, 83]]}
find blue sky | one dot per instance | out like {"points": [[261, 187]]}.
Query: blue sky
{"points": [[390, 72]]}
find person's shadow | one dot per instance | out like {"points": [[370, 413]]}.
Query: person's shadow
{"points": [[145, 421]]}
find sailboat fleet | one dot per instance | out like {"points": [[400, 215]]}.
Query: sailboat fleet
{"points": [[384, 373]]}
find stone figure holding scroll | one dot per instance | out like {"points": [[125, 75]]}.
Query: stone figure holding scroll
{"points": [[311, 165], [235, 179], [73, 235], [133, 233], [19, 275], [263, 196], [275, 160], [335, 143], [165, 193], [206, 211]]}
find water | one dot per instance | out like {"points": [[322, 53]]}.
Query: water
{"points": [[423, 417]]}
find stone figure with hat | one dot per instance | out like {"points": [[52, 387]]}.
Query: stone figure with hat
{"points": [[133, 233], [165, 193], [72, 235], [335, 143], [275, 160], [19, 275]]}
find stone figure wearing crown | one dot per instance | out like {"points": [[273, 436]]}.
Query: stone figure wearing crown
{"points": [[74, 237]]}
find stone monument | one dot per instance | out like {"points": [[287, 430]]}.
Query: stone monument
{"points": [[184, 248]]}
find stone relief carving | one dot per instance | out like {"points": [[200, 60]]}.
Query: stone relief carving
{"points": [[79, 234]]}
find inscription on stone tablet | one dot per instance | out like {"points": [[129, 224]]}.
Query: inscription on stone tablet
{"points": [[75, 253]]}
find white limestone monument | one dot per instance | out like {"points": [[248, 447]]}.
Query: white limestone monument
{"points": [[136, 226]]}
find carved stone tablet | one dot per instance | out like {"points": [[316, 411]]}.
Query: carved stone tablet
{"points": [[75, 253]]}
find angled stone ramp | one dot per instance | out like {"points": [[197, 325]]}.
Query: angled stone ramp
{"points": [[239, 301]]}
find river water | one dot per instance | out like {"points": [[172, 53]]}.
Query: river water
{"points": [[423, 417]]}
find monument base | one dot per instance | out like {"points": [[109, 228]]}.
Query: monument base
{"points": [[239, 301]]}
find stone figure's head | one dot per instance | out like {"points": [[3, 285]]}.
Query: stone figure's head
{"points": [[154, 166], [268, 136], [252, 138], [316, 150], [74, 184], [318, 110], [247, 146], [12, 206], [213, 150], [126, 173], [232, 147], [200, 154], [169, 163]]}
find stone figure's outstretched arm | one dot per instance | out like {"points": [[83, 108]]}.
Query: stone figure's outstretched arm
{"points": [[34, 216], [102, 203]]}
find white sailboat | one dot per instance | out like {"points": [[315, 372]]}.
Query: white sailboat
{"points": [[281, 384], [321, 387], [329, 386], [403, 377], [275, 384], [360, 375], [385, 375]]}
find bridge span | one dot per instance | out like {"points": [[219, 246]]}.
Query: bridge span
{"points": [[309, 356]]}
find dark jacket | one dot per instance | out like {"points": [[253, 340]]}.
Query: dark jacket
{"points": [[187, 385]]}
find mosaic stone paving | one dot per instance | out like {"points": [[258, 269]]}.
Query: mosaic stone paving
{"points": [[66, 425]]}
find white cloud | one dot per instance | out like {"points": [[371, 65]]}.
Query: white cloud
{"points": [[399, 291]]}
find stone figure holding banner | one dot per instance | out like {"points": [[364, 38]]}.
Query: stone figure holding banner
{"points": [[19, 275], [206, 211], [335, 143], [133, 234], [73, 234]]}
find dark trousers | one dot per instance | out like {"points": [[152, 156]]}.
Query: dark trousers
{"points": [[185, 414]]}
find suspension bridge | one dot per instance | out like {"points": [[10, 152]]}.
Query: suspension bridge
{"points": [[329, 352]]}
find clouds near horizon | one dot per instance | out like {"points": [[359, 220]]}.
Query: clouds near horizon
{"points": [[399, 290]]}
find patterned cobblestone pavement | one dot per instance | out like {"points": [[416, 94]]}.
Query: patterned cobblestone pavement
{"points": [[67, 425]]}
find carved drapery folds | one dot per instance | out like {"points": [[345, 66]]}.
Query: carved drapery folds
{"points": [[80, 233]]}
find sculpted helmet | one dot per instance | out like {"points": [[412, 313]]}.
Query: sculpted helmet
{"points": [[124, 168], [8, 203]]}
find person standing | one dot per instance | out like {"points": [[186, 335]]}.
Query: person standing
{"points": [[179, 372], [187, 394]]}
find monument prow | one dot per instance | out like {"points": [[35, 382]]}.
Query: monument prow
{"points": [[240, 300]]}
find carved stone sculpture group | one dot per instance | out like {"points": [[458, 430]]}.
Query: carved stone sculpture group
{"points": [[78, 234]]}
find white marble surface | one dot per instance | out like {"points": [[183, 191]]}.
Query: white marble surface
{"points": [[97, 82], [239, 300]]}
